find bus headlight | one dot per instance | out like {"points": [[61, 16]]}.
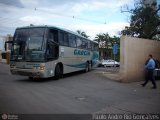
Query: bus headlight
{"points": [[41, 68]]}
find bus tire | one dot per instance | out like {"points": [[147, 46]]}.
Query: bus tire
{"points": [[90, 67], [87, 67], [57, 72]]}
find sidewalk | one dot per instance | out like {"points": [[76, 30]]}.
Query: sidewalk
{"points": [[114, 74], [110, 73], [147, 99]]}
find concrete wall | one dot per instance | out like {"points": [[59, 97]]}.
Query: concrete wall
{"points": [[133, 54]]}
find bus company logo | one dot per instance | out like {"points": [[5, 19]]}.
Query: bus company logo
{"points": [[4, 116], [81, 52]]}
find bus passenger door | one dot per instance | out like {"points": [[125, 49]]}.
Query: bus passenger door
{"points": [[52, 51]]}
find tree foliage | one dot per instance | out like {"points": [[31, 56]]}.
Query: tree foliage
{"points": [[144, 21], [82, 33], [105, 41]]}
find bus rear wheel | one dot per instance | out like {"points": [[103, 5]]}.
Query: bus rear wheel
{"points": [[90, 66], [58, 72], [87, 67]]}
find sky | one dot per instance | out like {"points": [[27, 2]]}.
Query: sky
{"points": [[91, 16]]}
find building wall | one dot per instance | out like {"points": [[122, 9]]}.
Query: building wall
{"points": [[133, 54]]}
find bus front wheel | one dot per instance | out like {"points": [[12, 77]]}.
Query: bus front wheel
{"points": [[58, 72]]}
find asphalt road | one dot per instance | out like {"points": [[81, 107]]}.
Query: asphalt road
{"points": [[76, 93]]}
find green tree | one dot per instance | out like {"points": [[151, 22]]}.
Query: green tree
{"points": [[144, 21], [82, 33], [100, 39], [103, 40], [105, 44], [115, 40]]}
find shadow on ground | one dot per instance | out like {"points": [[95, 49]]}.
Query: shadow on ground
{"points": [[50, 79]]}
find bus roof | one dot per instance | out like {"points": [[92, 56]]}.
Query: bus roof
{"points": [[48, 26]]}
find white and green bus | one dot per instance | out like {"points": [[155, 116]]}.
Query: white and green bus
{"points": [[47, 51]]}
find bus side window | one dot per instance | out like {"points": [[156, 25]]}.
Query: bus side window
{"points": [[72, 40], [66, 42], [79, 42], [84, 44], [63, 39], [89, 45], [92, 46], [53, 35]]}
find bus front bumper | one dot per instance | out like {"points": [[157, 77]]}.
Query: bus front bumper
{"points": [[28, 72]]}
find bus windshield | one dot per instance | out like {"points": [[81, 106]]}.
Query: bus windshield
{"points": [[28, 44]]}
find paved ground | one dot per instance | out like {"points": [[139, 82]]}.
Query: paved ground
{"points": [[76, 93]]}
